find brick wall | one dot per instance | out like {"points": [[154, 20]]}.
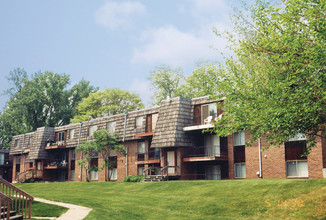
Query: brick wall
{"points": [[230, 157], [315, 160], [252, 159]]}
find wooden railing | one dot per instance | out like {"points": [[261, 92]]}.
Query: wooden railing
{"points": [[165, 170], [21, 201], [5, 204]]}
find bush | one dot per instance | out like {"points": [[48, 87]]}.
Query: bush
{"points": [[134, 178]]}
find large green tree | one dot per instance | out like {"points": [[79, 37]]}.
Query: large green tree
{"points": [[166, 83], [105, 103], [105, 144], [202, 81], [275, 84], [40, 100]]}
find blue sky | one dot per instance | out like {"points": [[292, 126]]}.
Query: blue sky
{"points": [[113, 44]]}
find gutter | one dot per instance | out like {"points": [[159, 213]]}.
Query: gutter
{"points": [[125, 126], [81, 155], [260, 161], [123, 140], [23, 144]]}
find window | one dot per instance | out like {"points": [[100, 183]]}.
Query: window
{"points": [[297, 168], [139, 122], [213, 172], [30, 141], [2, 159], [95, 154], [112, 153], [72, 175], [239, 138], [16, 142], [141, 147], [61, 136], [113, 173], [298, 137], [141, 171], [212, 145], [94, 174], [239, 170], [110, 126], [208, 113], [92, 129], [18, 160], [154, 120], [71, 134], [73, 154]]}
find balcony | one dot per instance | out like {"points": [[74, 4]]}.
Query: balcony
{"points": [[55, 164], [55, 145], [152, 156], [205, 153]]}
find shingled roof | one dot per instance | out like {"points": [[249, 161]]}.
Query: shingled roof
{"points": [[174, 115]]}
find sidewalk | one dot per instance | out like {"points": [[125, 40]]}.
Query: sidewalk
{"points": [[75, 212]]}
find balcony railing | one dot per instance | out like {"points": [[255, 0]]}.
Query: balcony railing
{"points": [[150, 155], [206, 151], [55, 163]]}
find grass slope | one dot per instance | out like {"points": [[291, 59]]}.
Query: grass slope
{"points": [[47, 210], [236, 199]]}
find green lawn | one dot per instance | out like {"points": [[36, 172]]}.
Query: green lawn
{"points": [[235, 199], [47, 210]]}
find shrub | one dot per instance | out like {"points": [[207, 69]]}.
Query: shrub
{"points": [[133, 178]]}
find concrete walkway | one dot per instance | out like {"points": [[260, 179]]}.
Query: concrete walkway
{"points": [[75, 212]]}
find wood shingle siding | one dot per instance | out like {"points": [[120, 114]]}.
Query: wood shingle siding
{"points": [[173, 116]]}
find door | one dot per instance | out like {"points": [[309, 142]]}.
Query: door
{"points": [[213, 172], [171, 162]]}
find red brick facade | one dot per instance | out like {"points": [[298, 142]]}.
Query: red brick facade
{"points": [[178, 129]]}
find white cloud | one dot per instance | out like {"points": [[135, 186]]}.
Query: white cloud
{"points": [[168, 45], [118, 14], [143, 89]]}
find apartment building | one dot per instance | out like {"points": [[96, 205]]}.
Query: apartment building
{"points": [[164, 140]]}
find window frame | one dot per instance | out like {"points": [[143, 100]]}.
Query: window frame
{"points": [[242, 176], [114, 175], [111, 126], [92, 129], [93, 175], [143, 145], [16, 142], [239, 135], [296, 168], [139, 122], [71, 134], [61, 136], [2, 158]]}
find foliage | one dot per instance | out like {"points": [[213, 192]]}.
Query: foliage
{"points": [[133, 178], [202, 82], [104, 143], [227, 199], [41, 100], [275, 84], [107, 102], [87, 148], [166, 83]]}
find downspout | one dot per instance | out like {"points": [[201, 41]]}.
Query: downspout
{"points": [[23, 144], [125, 126], [260, 162], [81, 154], [127, 161], [123, 140]]}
